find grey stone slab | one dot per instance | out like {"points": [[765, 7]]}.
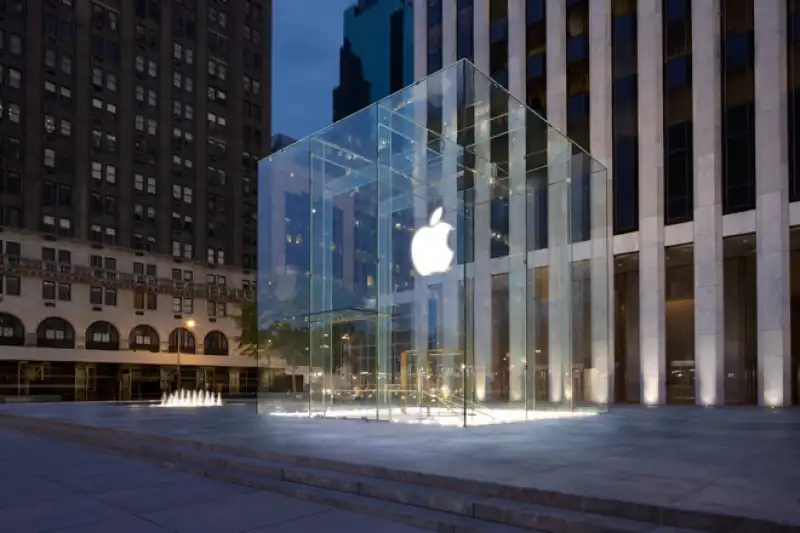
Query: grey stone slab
{"points": [[19, 490], [125, 524], [63, 513], [337, 522], [120, 480], [172, 494], [746, 501], [656, 456], [237, 513]]}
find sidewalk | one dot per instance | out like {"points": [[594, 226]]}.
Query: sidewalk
{"points": [[50, 486]]}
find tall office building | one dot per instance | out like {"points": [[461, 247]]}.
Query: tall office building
{"points": [[130, 135], [693, 108], [377, 57]]}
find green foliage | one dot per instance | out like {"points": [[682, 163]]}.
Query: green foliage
{"points": [[248, 339], [290, 342]]}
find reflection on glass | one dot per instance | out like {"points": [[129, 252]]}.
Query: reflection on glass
{"points": [[794, 240], [627, 372], [741, 343], [679, 276]]}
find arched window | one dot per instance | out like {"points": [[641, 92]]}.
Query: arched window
{"points": [[181, 338], [102, 335], [144, 337], [215, 343], [12, 332], [55, 332]]}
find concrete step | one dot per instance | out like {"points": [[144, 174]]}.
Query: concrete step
{"points": [[459, 507]]}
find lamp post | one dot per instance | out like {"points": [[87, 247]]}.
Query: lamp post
{"points": [[189, 326], [348, 374]]}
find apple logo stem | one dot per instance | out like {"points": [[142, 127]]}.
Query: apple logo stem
{"points": [[430, 251]]}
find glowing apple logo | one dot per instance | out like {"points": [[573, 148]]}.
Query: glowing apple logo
{"points": [[430, 253]]}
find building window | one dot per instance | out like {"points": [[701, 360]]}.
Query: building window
{"points": [[625, 116], [216, 309], [97, 171], [14, 113], [144, 301], [66, 64], [15, 78], [102, 295], [10, 285], [738, 106], [793, 30]]}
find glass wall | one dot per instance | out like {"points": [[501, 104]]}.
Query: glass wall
{"points": [[793, 78], [465, 30], [387, 300], [794, 240], [435, 46], [741, 328], [627, 362], [679, 276], [738, 106], [625, 115], [678, 128]]}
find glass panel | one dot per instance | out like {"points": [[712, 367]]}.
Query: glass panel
{"points": [[379, 279], [283, 283]]}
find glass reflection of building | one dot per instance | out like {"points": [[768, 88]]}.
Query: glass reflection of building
{"points": [[383, 341], [377, 55]]}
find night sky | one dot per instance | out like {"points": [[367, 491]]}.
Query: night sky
{"points": [[307, 37]]}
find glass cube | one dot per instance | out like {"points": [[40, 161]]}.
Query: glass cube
{"points": [[441, 256]]}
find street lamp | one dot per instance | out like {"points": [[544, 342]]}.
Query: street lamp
{"points": [[189, 326], [348, 374]]}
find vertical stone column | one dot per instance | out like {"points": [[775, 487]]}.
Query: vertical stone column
{"points": [[601, 141], [420, 111], [652, 318], [772, 205], [482, 327], [517, 260], [709, 324], [451, 308], [559, 312]]}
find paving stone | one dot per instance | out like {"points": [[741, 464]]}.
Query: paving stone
{"points": [[29, 503], [658, 456], [238, 513], [195, 490], [338, 522], [43, 516], [125, 524], [19, 489]]}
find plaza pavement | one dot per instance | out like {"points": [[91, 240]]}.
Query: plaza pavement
{"points": [[740, 462], [48, 486]]}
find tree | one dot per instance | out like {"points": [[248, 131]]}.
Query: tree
{"points": [[248, 339], [291, 342]]}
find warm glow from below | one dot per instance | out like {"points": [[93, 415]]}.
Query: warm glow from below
{"points": [[443, 417]]}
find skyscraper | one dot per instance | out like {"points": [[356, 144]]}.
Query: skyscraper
{"points": [[376, 57], [693, 108], [131, 132]]}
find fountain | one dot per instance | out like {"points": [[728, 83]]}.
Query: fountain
{"points": [[185, 398]]}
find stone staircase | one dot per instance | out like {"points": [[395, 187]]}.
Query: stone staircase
{"points": [[433, 502]]}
